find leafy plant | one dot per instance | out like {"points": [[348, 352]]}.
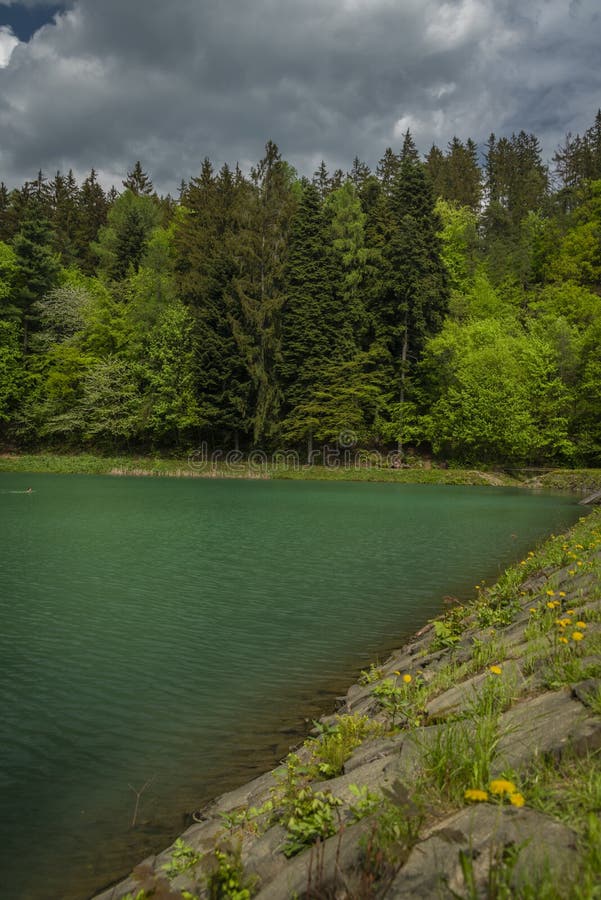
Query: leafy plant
{"points": [[333, 748], [403, 702], [226, 880], [183, 858], [371, 675], [367, 802], [310, 817]]}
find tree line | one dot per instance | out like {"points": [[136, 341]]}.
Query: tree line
{"points": [[449, 304]]}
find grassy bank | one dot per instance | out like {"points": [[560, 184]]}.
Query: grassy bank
{"points": [[148, 466], [575, 480]]}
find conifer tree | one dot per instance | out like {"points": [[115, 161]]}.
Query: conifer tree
{"points": [[5, 234], [138, 182], [37, 269], [204, 248], [258, 286], [92, 216], [321, 180], [308, 338], [388, 169], [65, 216], [416, 296]]}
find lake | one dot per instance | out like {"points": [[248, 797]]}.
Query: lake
{"points": [[180, 632]]}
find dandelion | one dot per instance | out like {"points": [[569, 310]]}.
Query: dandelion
{"points": [[516, 799], [476, 795], [550, 605], [570, 612], [562, 593], [580, 624], [496, 670], [532, 609], [577, 635], [563, 640], [550, 593], [396, 673], [571, 571], [407, 678], [501, 786]]}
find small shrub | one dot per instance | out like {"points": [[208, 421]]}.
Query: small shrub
{"points": [[226, 879], [309, 818]]}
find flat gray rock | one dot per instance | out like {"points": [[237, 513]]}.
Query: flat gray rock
{"points": [[549, 724], [433, 869]]}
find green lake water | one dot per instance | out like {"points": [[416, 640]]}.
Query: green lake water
{"points": [[181, 631]]}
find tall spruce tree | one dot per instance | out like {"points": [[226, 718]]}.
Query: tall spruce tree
{"points": [[416, 297], [92, 216], [204, 247], [138, 182], [308, 334], [37, 270], [258, 288]]}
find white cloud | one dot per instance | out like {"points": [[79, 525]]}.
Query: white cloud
{"points": [[8, 42]]}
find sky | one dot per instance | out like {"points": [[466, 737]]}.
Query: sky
{"points": [[103, 83]]}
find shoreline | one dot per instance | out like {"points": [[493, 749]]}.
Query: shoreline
{"points": [[570, 480], [247, 828]]}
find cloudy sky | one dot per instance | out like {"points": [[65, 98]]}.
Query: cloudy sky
{"points": [[105, 82]]}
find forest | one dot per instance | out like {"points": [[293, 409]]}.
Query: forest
{"points": [[447, 305]]}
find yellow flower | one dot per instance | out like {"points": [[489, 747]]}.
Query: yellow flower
{"points": [[563, 640], [570, 612], [532, 609], [562, 593], [396, 673], [475, 794], [550, 593], [580, 624], [577, 635], [516, 799], [501, 786], [572, 572], [496, 670], [550, 605], [407, 678], [579, 563]]}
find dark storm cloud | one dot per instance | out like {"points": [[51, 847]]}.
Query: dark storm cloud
{"points": [[118, 80]]}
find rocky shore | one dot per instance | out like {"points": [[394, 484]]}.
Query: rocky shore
{"points": [[467, 765]]}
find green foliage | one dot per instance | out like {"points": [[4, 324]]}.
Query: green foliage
{"points": [[366, 802], [448, 630], [309, 817], [401, 702], [122, 242], [226, 879], [500, 394], [460, 754], [330, 751], [371, 675], [268, 311], [183, 858], [11, 370], [396, 830]]}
